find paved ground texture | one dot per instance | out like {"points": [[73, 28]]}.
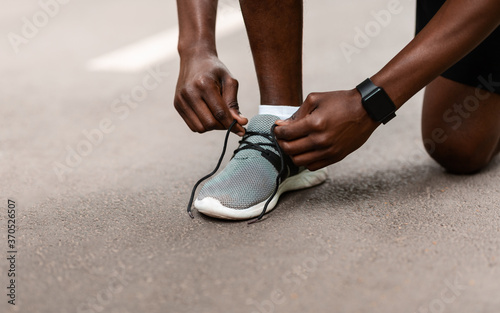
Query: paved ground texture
{"points": [[101, 223]]}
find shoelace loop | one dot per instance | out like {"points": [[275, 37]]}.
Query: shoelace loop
{"points": [[248, 145]]}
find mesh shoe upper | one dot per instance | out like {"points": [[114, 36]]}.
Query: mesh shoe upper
{"points": [[249, 178]]}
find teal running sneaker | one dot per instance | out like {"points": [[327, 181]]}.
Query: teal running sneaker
{"points": [[257, 175]]}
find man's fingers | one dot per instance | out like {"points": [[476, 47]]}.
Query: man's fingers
{"points": [[204, 106], [215, 103], [230, 97], [189, 117], [229, 93], [294, 147], [297, 126], [220, 111], [310, 157], [316, 159], [238, 128], [291, 130], [306, 108], [238, 117], [203, 114]]}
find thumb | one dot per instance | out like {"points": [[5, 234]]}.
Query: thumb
{"points": [[305, 109]]}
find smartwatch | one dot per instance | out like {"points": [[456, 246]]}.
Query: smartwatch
{"points": [[376, 102]]}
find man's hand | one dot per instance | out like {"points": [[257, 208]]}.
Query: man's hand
{"points": [[206, 95], [326, 128]]}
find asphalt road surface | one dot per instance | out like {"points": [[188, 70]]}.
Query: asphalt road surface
{"points": [[98, 168]]}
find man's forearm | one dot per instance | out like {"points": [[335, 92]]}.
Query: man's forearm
{"points": [[196, 26], [458, 27]]}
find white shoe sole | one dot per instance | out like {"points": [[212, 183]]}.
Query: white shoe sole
{"points": [[212, 207]]}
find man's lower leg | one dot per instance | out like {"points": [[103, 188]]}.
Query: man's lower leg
{"points": [[274, 30]]}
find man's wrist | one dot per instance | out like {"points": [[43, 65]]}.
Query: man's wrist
{"points": [[376, 102], [196, 49], [360, 111]]}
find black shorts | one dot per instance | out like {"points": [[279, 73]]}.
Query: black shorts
{"points": [[481, 67]]}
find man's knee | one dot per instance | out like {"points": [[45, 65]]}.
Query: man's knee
{"points": [[459, 155]]}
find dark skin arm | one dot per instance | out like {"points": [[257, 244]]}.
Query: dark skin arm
{"points": [[331, 125], [206, 93]]}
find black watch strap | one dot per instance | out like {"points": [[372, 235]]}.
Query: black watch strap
{"points": [[376, 102], [366, 88]]}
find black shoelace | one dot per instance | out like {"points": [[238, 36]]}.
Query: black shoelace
{"points": [[247, 145]]}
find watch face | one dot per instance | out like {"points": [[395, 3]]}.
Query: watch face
{"points": [[379, 105]]}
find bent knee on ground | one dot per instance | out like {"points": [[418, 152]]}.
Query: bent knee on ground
{"points": [[460, 155], [460, 125]]}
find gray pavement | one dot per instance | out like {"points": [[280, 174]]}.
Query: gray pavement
{"points": [[388, 232]]}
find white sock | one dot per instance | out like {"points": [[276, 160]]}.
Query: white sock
{"points": [[281, 111]]}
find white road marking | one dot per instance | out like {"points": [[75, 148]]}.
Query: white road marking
{"points": [[158, 48]]}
